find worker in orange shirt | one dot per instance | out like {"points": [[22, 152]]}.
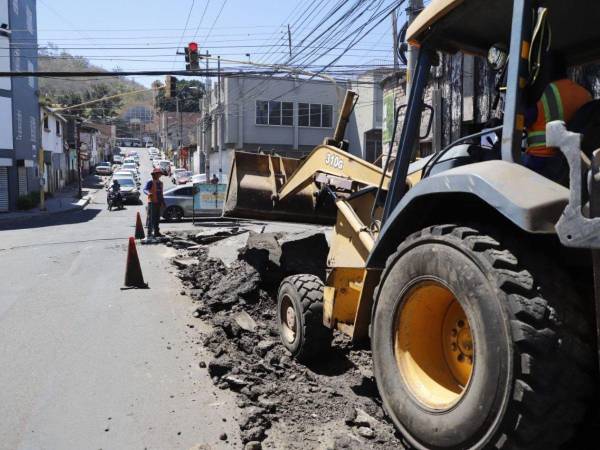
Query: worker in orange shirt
{"points": [[154, 190], [551, 97]]}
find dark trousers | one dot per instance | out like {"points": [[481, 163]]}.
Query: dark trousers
{"points": [[153, 221]]}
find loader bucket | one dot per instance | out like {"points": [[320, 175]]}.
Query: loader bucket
{"points": [[253, 181]]}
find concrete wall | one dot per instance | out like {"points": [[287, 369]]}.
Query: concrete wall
{"points": [[25, 105], [51, 141], [241, 95], [369, 109]]}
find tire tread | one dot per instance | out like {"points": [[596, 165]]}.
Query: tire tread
{"points": [[554, 355]]}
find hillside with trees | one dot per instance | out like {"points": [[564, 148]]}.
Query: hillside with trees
{"points": [[73, 91]]}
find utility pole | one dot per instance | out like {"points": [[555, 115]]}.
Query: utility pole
{"points": [[178, 118], [205, 144], [290, 40], [41, 165], [79, 193], [219, 118], [395, 37], [413, 10]]}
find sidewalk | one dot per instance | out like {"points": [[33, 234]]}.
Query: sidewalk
{"points": [[61, 202]]}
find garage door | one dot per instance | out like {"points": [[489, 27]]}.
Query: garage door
{"points": [[3, 189], [22, 176]]}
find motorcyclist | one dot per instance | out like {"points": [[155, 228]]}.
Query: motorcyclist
{"points": [[114, 193], [116, 187]]}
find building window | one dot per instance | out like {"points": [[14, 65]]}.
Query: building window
{"points": [[31, 80], [57, 128], [315, 115], [46, 124], [29, 17], [19, 134], [274, 113], [32, 129], [262, 113], [287, 113], [15, 5]]}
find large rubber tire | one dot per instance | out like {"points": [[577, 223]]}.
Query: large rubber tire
{"points": [[311, 339], [534, 366], [173, 214]]}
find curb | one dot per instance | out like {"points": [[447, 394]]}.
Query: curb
{"points": [[86, 201]]}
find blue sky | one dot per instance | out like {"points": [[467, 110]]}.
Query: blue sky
{"points": [[144, 35]]}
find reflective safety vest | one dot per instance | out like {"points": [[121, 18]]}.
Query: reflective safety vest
{"points": [[560, 101], [156, 193]]}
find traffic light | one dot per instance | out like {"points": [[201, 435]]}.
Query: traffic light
{"points": [[170, 87], [191, 57]]}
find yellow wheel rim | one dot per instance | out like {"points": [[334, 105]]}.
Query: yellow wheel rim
{"points": [[434, 347]]}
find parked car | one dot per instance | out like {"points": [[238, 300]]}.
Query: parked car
{"points": [[124, 174], [183, 177], [198, 178], [130, 165], [118, 159], [165, 166], [103, 168], [179, 203], [129, 190], [175, 173], [130, 160], [133, 172]]}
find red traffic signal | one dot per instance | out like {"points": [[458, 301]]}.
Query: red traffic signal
{"points": [[191, 57]]}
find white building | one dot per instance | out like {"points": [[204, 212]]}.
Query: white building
{"points": [[53, 144], [289, 116]]}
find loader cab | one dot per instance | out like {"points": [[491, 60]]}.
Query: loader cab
{"points": [[513, 35]]}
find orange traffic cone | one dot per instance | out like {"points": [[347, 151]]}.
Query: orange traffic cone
{"points": [[139, 229], [133, 271]]}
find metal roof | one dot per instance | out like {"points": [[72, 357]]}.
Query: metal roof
{"points": [[473, 26]]}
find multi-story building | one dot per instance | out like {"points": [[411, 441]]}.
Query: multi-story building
{"points": [[19, 106], [55, 152], [288, 115]]}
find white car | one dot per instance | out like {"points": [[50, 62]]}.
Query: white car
{"points": [[129, 189], [132, 166], [124, 174], [199, 178], [134, 174], [165, 166], [130, 160], [103, 168], [175, 173]]}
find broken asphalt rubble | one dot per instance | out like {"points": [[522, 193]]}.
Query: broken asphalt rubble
{"points": [[332, 404]]}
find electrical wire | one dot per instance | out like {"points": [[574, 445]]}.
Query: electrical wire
{"points": [[187, 21]]}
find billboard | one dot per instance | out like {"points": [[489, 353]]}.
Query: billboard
{"points": [[208, 196]]}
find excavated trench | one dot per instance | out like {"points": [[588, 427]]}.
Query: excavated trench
{"points": [[332, 403]]}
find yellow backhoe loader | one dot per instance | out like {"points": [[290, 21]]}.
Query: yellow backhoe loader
{"points": [[475, 278]]}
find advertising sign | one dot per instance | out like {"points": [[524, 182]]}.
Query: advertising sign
{"points": [[388, 117], [209, 196]]}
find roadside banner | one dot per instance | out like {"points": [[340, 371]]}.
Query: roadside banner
{"points": [[209, 197]]}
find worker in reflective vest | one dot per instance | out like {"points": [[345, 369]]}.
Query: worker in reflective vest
{"points": [[560, 99], [154, 190]]}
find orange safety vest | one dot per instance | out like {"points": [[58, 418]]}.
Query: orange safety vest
{"points": [[560, 101], [153, 196]]}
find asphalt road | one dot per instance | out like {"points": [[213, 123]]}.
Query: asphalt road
{"points": [[85, 365]]}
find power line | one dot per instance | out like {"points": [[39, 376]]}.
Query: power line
{"points": [[201, 19], [216, 19], [187, 21]]}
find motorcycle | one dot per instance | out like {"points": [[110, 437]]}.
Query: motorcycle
{"points": [[114, 200]]}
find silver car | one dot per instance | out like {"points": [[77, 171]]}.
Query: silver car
{"points": [[179, 203]]}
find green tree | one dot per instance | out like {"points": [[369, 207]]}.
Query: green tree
{"points": [[189, 91]]}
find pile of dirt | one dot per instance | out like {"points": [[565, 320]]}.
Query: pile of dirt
{"points": [[332, 404]]}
